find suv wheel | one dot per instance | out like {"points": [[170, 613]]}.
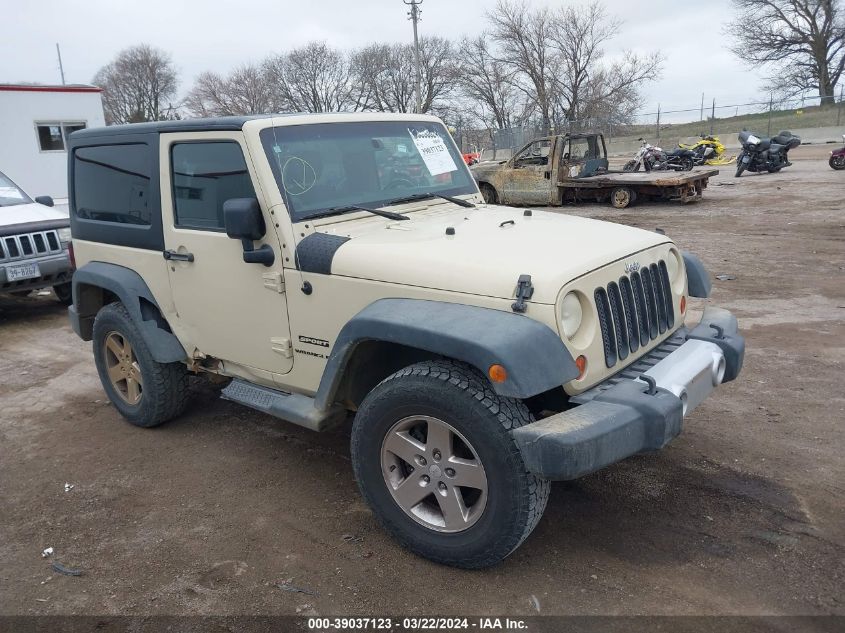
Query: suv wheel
{"points": [[435, 460], [145, 392], [64, 292]]}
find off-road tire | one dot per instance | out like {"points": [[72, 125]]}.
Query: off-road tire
{"points": [[64, 293], [165, 385], [489, 193], [462, 396]]}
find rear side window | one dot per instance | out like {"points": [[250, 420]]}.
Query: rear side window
{"points": [[205, 175], [111, 183]]}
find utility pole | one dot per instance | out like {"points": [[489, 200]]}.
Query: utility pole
{"points": [[712, 117], [771, 105], [414, 16], [701, 117], [839, 112], [61, 68], [658, 122]]}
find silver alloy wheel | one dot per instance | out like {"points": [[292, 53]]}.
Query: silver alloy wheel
{"points": [[434, 474]]}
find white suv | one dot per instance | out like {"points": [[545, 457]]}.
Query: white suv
{"points": [[34, 238]]}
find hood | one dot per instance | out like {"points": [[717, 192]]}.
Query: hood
{"points": [[491, 247], [32, 212]]}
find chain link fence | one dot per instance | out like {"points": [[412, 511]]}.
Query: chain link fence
{"points": [[672, 125]]}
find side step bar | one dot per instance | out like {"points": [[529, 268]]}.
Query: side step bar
{"points": [[293, 407]]}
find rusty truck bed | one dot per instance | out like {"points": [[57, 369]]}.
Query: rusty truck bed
{"points": [[623, 178]]}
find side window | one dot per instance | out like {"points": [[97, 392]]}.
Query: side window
{"points": [[111, 183], [52, 137], [535, 154], [205, 175]]}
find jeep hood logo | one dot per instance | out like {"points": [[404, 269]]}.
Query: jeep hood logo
{"points": [[632, 267]]}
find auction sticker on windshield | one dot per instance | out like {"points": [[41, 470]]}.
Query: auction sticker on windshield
{"points": [[434, 152]]}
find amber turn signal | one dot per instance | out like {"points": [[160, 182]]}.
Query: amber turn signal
{"points": [[581, 364], [683, 305], [497, 373]]}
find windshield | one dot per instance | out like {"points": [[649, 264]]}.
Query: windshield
{"points": [[327, 166], [10, 193]]}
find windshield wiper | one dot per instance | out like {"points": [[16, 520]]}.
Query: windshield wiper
{"points": [[354, 207], [424, 196]]}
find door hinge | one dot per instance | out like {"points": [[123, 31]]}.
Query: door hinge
{"points": [[282, 346], [274, 281]]}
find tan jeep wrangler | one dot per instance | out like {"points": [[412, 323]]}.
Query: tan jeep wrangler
{"points": [[331, 264]]}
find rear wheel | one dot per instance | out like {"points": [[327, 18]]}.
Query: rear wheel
{"points": [[489, 193], [145, 392], [687, 164], [622, 197], [434, 458], [837, 162]]}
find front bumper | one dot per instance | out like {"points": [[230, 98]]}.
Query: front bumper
{"points": [[639, 409], [55, 269]]}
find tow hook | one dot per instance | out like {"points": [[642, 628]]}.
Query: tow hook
{"points": [[720, 331], [652, 384]]}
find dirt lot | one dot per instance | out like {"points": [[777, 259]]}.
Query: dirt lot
{"points": [[742, 514]]}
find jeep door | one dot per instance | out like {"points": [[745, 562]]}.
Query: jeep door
{"points": [[227, 309], [526, 178]]}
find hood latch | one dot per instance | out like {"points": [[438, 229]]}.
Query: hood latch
{"points": [[524, 290]]}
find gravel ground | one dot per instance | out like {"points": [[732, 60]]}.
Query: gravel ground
{"points": [[215, 511]]}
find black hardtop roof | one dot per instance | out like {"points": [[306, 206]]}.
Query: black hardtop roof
{"points": [[186, 125]]}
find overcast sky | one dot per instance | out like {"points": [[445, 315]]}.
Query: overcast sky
{"points": [[221, 34]]}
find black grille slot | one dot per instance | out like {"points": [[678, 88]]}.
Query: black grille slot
{"points": [[650, 301], [40, 244], [642, 311], [667, 293], [607, 336], [53, 240], [618, 320], [634, 311], [659, 297], [26, 245], [630, 314], [12, 247]]}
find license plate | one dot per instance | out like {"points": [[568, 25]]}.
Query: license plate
{"points": [[22, 271]]}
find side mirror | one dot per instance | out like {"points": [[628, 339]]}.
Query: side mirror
{"points": [[243, 220], [47, 201]]}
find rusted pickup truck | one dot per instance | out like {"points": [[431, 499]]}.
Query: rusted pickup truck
{"points": [[555, 170]]}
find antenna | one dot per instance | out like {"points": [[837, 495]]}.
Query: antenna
{"points": [[61, 68], [414, 14]]}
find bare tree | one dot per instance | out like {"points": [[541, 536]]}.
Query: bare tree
{"points": [[803, 41], [486, 83], [313, 78], [138, 85], [523, 35], [584, 86], [245, 91]]}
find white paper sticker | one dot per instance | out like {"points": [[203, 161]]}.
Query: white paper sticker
{"points": [[434, 152]]}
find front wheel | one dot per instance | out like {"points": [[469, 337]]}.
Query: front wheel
{"points": [[145, 392], [837, 162], [740, 167], [489, 194], [631, 165], [64, 293], [435, 460]]}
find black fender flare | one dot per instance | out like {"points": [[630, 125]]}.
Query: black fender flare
{"points": [[698, 281], [533, 355], [130, 288]]}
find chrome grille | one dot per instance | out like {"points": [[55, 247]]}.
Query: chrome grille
{"points": [[634, 311], [26, 245]]}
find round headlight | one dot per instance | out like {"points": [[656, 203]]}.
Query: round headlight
{"points": [[64, 234], [571, 315], [673, 265]]}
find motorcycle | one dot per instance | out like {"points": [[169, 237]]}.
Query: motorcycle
{"points": [[650, 157], [709, 150], [837, 157], [765, 154]]}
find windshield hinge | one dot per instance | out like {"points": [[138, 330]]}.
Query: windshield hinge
{"points": [[274, 281], [524, 290], [281, 346]]}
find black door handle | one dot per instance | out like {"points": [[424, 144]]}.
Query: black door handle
{"points": [[178, 257]]}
